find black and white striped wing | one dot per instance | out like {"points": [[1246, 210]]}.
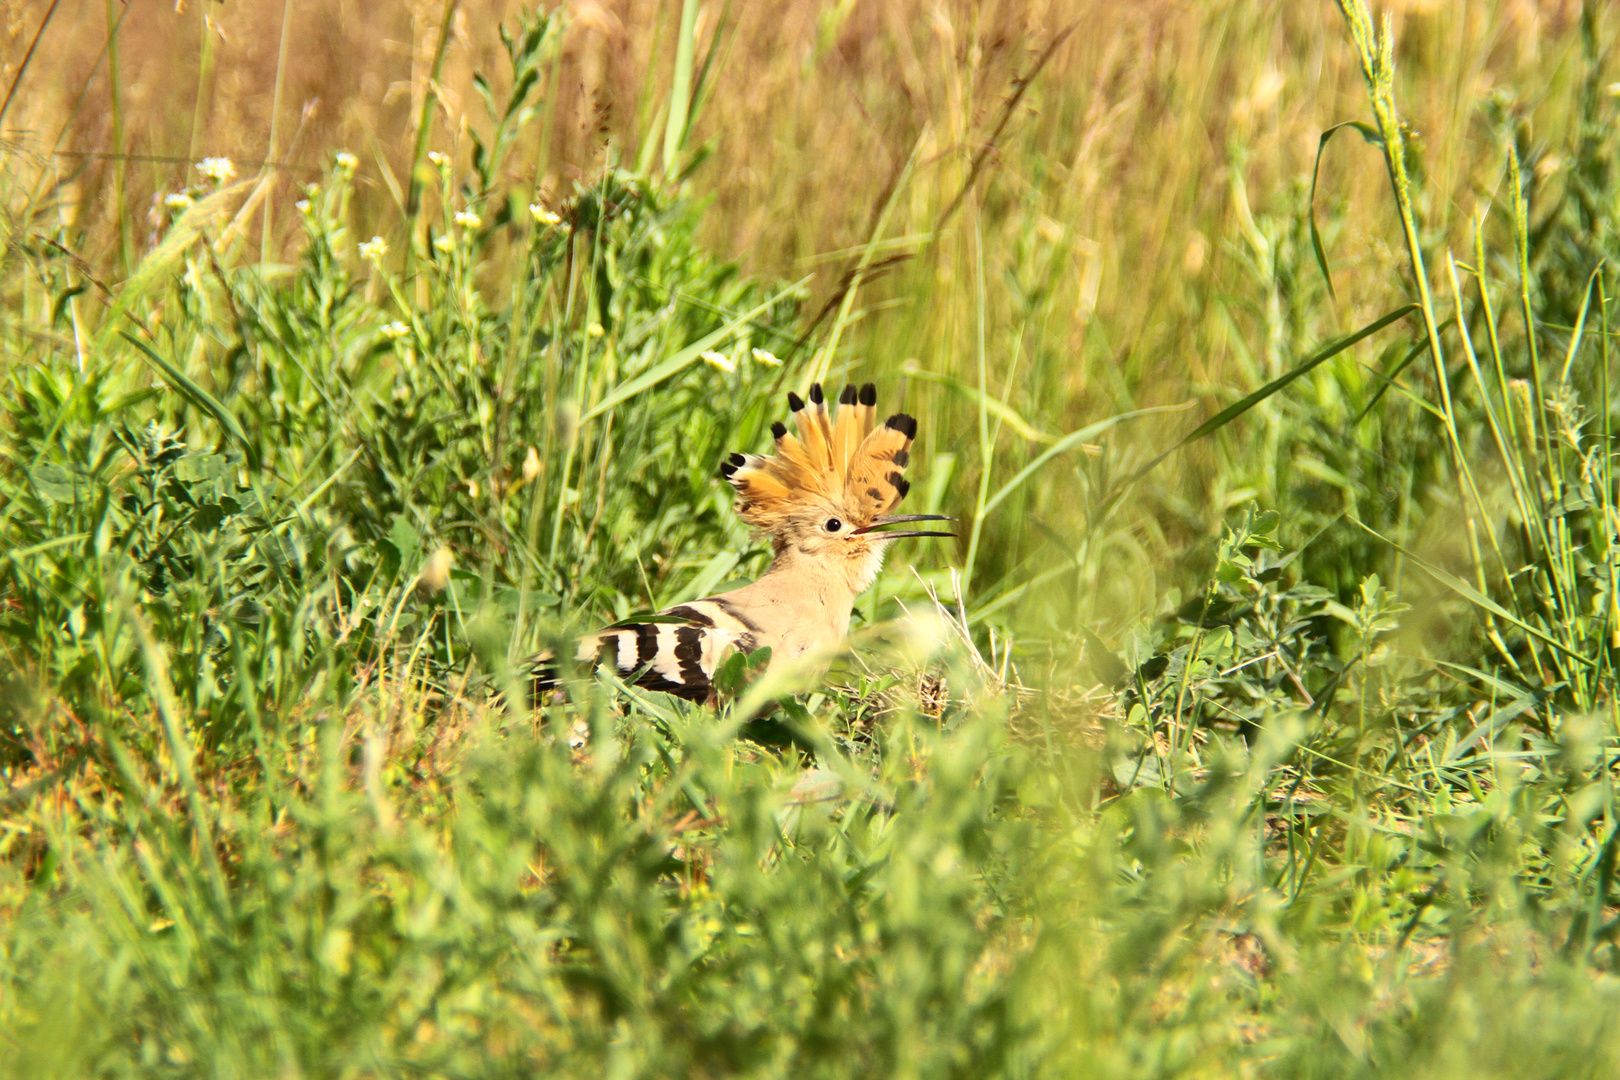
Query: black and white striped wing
{"points": [[677, 658]]}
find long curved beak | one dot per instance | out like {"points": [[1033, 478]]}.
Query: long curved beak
{"points": [[900, 519]]}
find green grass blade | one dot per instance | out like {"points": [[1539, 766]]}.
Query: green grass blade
{"points": [[1001, 411], [1238, 408], [1479, 599], [1067, 443], [1579, 332], [182, 753], [1370, 134], [1387, 378], [199, 397], [680, 90], [685, 357]]}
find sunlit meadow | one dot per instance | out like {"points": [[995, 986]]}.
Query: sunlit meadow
{"points": [[1260, 720]]}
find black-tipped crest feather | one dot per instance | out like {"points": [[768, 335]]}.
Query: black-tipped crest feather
{"points": [[902, 423], [836, 457]]}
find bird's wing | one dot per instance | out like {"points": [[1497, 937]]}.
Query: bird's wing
{"points": [[677, 658]]}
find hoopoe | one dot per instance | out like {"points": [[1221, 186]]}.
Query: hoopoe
{"points": [[820, 499]]}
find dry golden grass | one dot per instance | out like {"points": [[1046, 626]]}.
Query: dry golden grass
{"points": [[1126, 139], [1138, 226]]}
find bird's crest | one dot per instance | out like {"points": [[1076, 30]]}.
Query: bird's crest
{"points": [[845, 460]]}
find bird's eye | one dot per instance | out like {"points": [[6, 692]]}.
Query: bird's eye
{"points": [[833, 525]]}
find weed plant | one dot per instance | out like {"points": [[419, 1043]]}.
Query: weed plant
{"points": [[1310, 775]]}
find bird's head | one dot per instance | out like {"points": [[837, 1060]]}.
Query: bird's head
{"points": [[826, 493]]}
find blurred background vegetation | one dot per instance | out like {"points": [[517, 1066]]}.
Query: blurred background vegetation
{"points": [[1262, 721]]}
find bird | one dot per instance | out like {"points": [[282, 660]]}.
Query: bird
{"points": [[823, 499]]}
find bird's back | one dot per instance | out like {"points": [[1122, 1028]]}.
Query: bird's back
{"points": [[679, 650]]}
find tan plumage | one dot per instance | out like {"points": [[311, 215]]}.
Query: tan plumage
{"points": [[819, 498]]}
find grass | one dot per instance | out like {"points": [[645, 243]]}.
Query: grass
{"points": [[1261, 723]]}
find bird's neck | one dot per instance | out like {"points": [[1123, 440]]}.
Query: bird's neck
{"points": [[830, 584]]}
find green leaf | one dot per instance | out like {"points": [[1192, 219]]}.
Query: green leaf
{"points": [[995, 407], [205, 466], [208, 516], [57, 484], [197, 395], [406, 540], [1370, 134], [1387, 378]]}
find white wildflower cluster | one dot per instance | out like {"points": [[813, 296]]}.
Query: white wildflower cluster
{"points": [[544, 216], [177, 200], [218, 169], [303, 206], [762, 357], [443, 243], [395, 330], [468, 220], [374, 250], [440, 160], [346, 162], [718, 360]]}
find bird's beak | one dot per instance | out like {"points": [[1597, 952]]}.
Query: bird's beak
{"points": [[897, 519]]}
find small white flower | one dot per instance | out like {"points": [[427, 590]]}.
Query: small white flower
{"points": [[719, 360], [373, 250], [177, 200], [346, 161], [443, 243], [542, 215], [472, 488], [762, 357], [595, 329], [468, 220], [395, 330], [438, 159], [217, 169], [302, 205]]}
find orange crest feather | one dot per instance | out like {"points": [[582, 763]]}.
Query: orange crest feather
{"points": [[844, 461]]}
